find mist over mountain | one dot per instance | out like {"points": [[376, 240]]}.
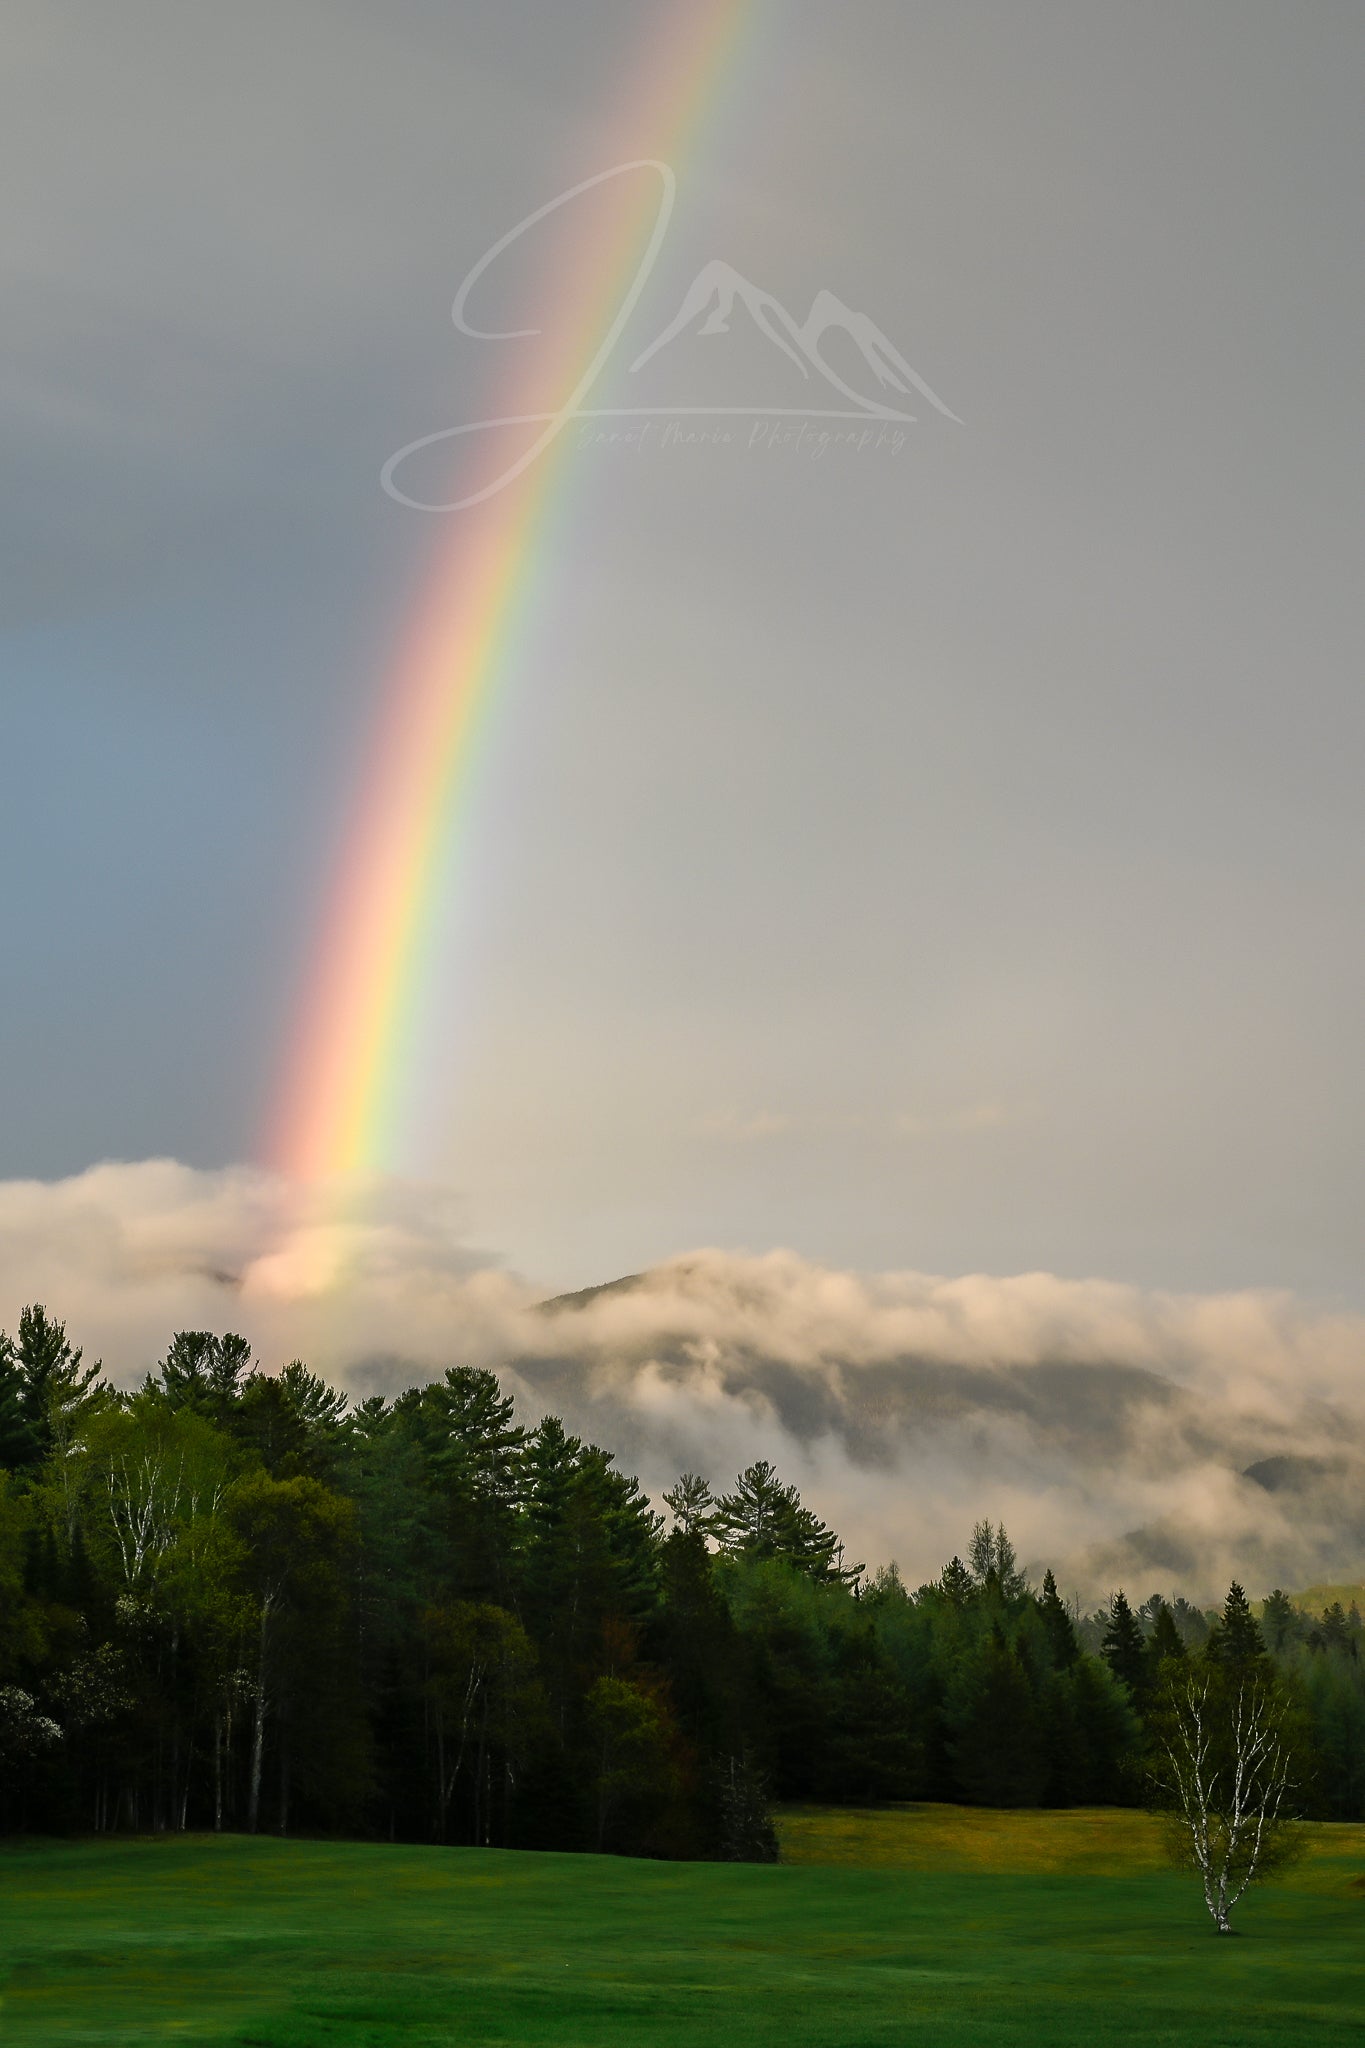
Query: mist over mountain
{"points": [[1123, 1435]]}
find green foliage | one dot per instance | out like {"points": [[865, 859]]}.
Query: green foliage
{"points": [[993, 1565], [1123, 1648], [692, 1505], [1236, 1639], [1063, 1646], [996, 1743], [46, 1391], [1165, 1645], [746, 1830], [1229, 1760], [247, 1604], [1279, 1618], [18, 1442], [764, 1519]]}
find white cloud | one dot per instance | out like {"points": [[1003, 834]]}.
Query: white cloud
{"points": [[1111, 1427]]}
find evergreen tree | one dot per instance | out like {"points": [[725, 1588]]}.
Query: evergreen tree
{"points": [[691, 1504], [184, 1370], [58, 1390], [1278, 1618], [1123, 1648], [1106, 1739], [995, 1728], [747, 1834], [246, 1603], [696, 1642], [762, 1518], [206, 1373], [1236, 1640], [957, 1584], [992, 1562], [475, 1457], [1336, 1629], [267, 1419], [1061, 1632], [18, 1440], [226, 1375], [1164, 1644]]}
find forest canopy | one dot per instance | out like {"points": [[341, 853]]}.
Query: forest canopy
{"points": [[232, 1599]]}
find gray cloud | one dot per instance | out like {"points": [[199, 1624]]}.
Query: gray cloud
{"points": [[948, 856], [1120, 1433]]}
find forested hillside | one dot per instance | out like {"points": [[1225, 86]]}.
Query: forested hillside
{"points": [[231, 1600]]}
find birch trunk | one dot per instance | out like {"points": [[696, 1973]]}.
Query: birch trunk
{"points": [[258, 1726]]}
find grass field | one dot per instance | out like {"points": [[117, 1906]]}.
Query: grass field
{"points": [[923, 1924]]}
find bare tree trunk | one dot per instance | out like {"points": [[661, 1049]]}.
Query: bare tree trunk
{"points": [[441, 1796], [253, 1813], [217, 1774], [481, 1786]]}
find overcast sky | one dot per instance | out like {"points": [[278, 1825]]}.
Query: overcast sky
{"points": [[943, 856]]}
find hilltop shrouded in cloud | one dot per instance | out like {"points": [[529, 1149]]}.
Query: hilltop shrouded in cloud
{"points": [[1158, 1439]]}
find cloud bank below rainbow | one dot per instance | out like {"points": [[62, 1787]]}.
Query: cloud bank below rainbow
{"points": [[1113, 1428]]}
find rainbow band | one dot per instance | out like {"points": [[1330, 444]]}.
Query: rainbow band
{"points": [[342, 1080]]}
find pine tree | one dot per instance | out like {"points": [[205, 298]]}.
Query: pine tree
{"points": [[697, 1640], [747, 1834], [765, 1519], [1164, 1645], [227, 1371], [1278, 1617], [956, 1583], [476, 1457], [18, 1442], [1123, 1649], [206, 1373], [58, 1390], [691, 1504], [1236, 1640], [993, 1564], [1336, 1629], [1063, 1647], [185, 1369], [267, 1419], [995, 1728]]}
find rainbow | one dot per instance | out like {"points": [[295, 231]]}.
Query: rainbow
{"points": [[343, 1081]]}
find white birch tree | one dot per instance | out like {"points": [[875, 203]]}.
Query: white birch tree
{"points": [[1224, 1766]]}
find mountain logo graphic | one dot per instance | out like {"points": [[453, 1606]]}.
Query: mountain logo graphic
{"points": [[718, 289], [708, 309]]}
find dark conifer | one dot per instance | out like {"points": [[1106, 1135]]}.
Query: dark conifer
{"points": [[956, 1583], [1063, 1647], [1164, 1645], [1279, 1618], [1236, 1640], [747, 1834], [57, 1388], [1123, 1649], [762, 1518], [18, 1442]]}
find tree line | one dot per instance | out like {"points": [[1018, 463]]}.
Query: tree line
{"points": [[231, 1599]]}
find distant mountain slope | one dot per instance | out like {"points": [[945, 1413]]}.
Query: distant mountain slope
{"points": [[1121, 1451], [1315, 1598], [583, 1295]]}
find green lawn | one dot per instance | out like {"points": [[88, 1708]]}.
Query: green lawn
{"points": [[914, 1925]]}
